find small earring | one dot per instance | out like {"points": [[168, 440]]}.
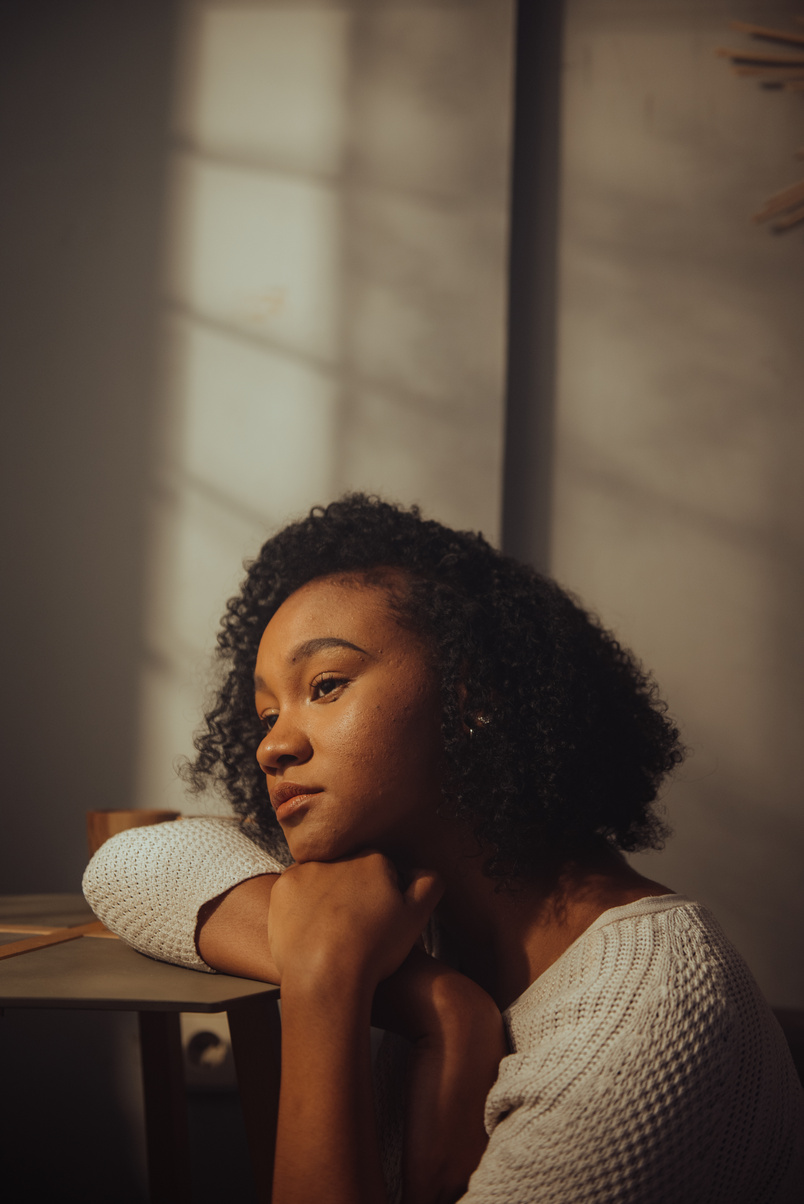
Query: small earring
{"points": [[481, 720]]}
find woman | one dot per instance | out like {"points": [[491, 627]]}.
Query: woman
{"points": [[447, 746]]}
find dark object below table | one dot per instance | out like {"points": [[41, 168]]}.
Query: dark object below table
{"points": [[102, 974]]}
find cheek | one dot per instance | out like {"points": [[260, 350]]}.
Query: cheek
{"points": [[408, 738], [389, 740], [369, 738]]}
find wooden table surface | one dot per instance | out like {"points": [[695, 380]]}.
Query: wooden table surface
{"points": [[102, 974], [90, 973]]}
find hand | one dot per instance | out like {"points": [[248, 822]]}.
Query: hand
{"points": [[347, 917]]}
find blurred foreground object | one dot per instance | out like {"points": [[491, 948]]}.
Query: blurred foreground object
{"points": [[774, 71], [103, 824]]}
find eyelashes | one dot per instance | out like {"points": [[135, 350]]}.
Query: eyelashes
{"points": [[327, 687], [327, 684]]}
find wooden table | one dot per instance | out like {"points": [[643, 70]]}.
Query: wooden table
{"points": [[94, 973]]}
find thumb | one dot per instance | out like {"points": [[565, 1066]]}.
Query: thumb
{"points": [[425, 889]]}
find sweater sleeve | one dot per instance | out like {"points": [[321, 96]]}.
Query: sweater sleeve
{"points": [[149, 884]]}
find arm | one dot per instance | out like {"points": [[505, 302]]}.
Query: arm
{"points": [[326, 1142], [232, 934], [200, 886], [335, 930], [455, 1028], [149, 884], [458, 1043]]}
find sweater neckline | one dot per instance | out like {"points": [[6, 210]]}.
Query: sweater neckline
{"points": [[649, 905]]}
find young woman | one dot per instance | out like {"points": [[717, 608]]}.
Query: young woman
{"points": [[451, 758]]}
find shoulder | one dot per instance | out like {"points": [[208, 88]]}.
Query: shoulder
{"points": [[646, 1050], [659, 963]]}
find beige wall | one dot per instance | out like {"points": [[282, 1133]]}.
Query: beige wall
{"points": [[253, 254], [84, 90], [679, 495], [333, 312]]}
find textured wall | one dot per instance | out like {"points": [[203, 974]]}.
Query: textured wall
{"points": [[253, 255], [333, 303], [679, 499]]}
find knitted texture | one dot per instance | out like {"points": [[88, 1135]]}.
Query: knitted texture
{"points": [[647, 1068], [149, 884]]}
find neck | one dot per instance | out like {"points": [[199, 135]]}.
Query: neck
{"points": [[505, 937]]}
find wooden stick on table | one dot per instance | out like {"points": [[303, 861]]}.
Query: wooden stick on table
{"points": [[56, 936], [29, 929]]}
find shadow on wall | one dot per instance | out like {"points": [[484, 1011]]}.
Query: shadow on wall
{"points": [[84, 92], [335, 299], [679, 495], [255, 256]]}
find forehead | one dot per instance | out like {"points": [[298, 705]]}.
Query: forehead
{"points": [[334, 606]]}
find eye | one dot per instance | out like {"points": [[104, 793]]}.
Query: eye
{"points": [[268, 720], [327, 685]]}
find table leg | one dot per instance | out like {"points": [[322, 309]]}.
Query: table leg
{"points": [[165, 1108], [256, 1045]]}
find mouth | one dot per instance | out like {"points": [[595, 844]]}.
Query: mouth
{"points": [[288, 797]]}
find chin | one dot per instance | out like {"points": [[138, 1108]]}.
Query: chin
{"points": [[325, 844], [323, 849]]}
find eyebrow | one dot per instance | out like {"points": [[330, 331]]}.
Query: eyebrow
{"points": [[310, 647]]}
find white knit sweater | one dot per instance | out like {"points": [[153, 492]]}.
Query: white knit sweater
{"points": [[646, 1066]]}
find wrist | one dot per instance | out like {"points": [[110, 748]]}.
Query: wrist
{"points": [[332, 986]]}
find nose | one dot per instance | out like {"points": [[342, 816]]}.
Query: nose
{"points": [[284, 745]]}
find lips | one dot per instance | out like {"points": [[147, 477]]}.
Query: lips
{"points": [[285, 791]]}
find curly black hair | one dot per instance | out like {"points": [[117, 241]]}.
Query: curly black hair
{"points": [[554, 737]]}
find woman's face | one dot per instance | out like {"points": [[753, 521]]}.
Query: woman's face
{"points": [[350, 703]]}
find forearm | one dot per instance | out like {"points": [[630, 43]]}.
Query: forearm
{"points": [[326, 1145], [445, 1137], [337, 929], [232, 933], [458, 1042]]}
